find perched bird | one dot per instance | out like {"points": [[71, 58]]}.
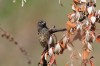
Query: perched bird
{"points": [[44, 33]]}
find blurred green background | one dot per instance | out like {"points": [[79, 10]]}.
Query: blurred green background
{"points": [[21, 22]]}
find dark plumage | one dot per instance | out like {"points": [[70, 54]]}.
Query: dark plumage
{"points": [[44, 32]]}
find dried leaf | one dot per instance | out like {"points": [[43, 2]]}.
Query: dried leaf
{"points": [[24, 0], [94, 37], [90, 9], [59, 1], [66, 65], [50, 52], [85, 54], [52, 60], [98, 38], [80, 54], [65, 39], [87, 36], [45, 56], [69, 48], [57, 48], [50, 40], [93, 19], [70, 24], [22, 3], [71, 64], [91, 63], [14, 1], [90, 47]]}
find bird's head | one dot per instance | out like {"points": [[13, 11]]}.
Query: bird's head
{"points": [[41, 23]]}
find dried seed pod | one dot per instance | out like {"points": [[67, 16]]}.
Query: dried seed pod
{"points": [[3, 34], [11, 38], [15, 42], [22, 50], [66, 65], [29, 62], [7, 35]]}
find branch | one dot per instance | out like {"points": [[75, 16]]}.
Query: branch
{"points": [[56, 30], [9, 37]]}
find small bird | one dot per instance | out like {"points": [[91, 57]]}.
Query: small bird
{"points": [[44, 33]]}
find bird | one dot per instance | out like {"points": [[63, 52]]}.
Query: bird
{"points": [[44, 33]]}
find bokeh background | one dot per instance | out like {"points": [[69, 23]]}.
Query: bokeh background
{"points": [[21, 22]]}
